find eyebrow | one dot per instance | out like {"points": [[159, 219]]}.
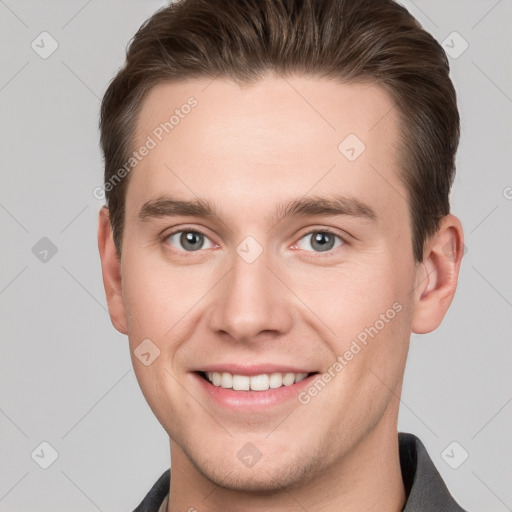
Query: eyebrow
{"points": [[168, 206]]}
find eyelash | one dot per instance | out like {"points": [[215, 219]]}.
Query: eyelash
{"points": [[309, 233]]}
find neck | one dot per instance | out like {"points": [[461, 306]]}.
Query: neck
{"points": [[368, 477]]}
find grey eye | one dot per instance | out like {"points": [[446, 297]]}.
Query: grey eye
{"points": [[320, 241], [189, 241]]}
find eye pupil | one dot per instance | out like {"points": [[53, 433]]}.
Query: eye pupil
{"points": [[324, 240], [191, 240]]}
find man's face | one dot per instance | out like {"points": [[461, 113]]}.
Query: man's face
{"points": [[250, 286]]}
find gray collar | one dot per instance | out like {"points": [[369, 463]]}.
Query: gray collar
{"points": [[424, 487]]}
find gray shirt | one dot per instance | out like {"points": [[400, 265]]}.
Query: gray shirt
{"points": [[424, 487]]}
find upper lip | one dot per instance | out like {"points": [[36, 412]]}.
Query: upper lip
{"points": [[254, 369]]}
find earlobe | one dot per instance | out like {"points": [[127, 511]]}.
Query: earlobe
{"points": [[438, 275], [111, 270]]}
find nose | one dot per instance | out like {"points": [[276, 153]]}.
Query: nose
{"points": [[253, 302]]}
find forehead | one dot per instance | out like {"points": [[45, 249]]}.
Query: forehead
{"points": [[277, 137], [283, 105]]}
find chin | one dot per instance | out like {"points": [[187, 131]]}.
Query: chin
{"points": [[266, 477]]}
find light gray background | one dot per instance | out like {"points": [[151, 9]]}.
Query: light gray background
{"points": [[66, 375]]}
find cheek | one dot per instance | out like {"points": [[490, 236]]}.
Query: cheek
{"points": [[366, 312], [154, 295], [355, 296], [155, 301], [163, 301], [146, 312]]}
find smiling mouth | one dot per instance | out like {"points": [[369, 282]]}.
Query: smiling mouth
{"points": [[262, 382]]}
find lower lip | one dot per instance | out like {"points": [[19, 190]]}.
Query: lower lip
{"points": [[253, 401]]}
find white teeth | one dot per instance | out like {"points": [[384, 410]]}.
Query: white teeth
{"points": [[276, 380], [241, 382], [261, 382], [226, 380], [288, 379], [215, 378]]}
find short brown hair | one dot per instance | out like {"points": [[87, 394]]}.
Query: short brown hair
{"points": [[349, 40]]}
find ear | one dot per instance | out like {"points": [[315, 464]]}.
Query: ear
{"points": [[437, 275], [111, 269]]}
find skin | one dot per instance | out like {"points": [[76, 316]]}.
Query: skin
{"points": [[248, 149]]}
